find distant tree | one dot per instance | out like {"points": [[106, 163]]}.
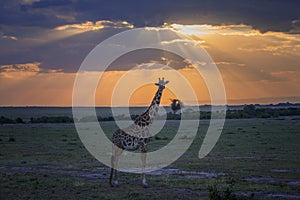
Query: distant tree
{"points": [[250, 109], [176, 105], [19, 120], [46, 119], [5, 120]]}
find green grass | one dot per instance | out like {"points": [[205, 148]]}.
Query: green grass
{"points": [[48, 161]]}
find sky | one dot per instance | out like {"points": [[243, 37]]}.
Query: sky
{"points": [[255, 45]]}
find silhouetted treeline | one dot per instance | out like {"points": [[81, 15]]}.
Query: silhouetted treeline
{"points": [[5, 120], [249, 111], [46, 119]]}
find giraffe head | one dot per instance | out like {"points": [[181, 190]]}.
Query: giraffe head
{"points": [[161, 83]]}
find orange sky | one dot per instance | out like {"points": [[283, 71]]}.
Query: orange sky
{"points": [[253, 65]]}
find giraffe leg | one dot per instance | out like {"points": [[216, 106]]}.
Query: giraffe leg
{"points": [[111, 172], [143, 158], [112, 169], [114, 163]]}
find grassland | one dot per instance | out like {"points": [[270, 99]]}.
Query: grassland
{"points": [[258, 158]]}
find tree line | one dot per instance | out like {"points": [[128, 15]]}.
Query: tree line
{"points": [[249, 111]]}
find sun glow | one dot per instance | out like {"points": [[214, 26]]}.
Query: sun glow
{"points": [[206, 29], [192, 29], [253, 65]]}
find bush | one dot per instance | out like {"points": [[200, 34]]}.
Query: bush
{"points": [[171, 116], [4, 120], [216, 194], [45, 119], [226, 193], [20, 121], [11, 139], [160, 138]]}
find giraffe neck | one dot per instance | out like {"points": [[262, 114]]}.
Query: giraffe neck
{"points": [[149, 115], [157, 97]]}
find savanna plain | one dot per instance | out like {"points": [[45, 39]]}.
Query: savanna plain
{"points": [[253, 159]]}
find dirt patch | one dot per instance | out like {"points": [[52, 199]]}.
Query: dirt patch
{"points": [[259, 195], [186, 174], [103, 172], [282, 195], [285, 171], [239, 157], [272, 180]]}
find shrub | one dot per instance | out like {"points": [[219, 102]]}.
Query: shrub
{"points": [[5, 120], [46, 119], [19, 120]]}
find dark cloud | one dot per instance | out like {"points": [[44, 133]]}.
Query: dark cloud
{"points": [[66, 53], [142, 57], [262, 14], [45, 4], [21, 20], [46, 14], [265, 15]]}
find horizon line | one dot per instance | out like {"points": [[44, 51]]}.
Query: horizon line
{"points": [[121, 106]]}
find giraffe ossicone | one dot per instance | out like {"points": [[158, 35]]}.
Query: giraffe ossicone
{"points": [[161, 82], [136, 136]]}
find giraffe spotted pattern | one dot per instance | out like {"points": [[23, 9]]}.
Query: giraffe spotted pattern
{"points": [[136, 136]]}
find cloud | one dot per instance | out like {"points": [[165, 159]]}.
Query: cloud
{"points": [[268, 51], [24, 70], [20, 71], [60, 47], [94, 26], [256, 44], [31, 67], [6, 36], [163, 64], [204, 29], [52, 13], [45, 4], [230, 64], [65, 47], [276, 44], [244, 54], [146, 58], [258, 14], [295, 27], [9, 37], [28, 2], [149, 66], [184, 41], [275, 50]]}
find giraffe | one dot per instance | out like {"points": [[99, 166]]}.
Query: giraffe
{"points": [[136, 136]]}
